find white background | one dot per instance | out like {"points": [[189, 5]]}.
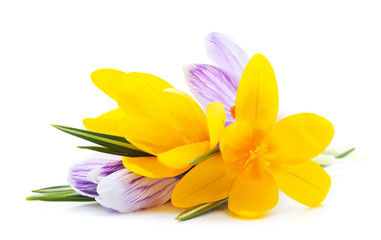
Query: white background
{"points": [[326, 55]]}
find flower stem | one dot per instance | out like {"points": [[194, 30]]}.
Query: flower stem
{"points": [[344, 154], [204, 156], [200, 209]]}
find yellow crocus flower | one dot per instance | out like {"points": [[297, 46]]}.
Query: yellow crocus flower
{"points": [[157, 119], [261, 155]]}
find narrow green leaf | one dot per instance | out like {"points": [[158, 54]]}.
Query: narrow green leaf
{"points": [[105, 150], [61, 188], [65, 196], [344, 154], [204, 156], [200, 209], [115, 143]]}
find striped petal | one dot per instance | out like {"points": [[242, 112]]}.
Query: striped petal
{"points": [[125, 191], [79, 175], [211, 84], [106, 169], [222, 50]]}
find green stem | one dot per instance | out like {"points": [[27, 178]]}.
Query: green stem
{"points": [[344, 154], [204, 156], [200, 209]]}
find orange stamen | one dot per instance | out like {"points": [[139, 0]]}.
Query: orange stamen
{"points": [[232, 111]]}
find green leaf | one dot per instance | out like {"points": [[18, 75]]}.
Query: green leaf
{"points": [[200, 209], [104, 150], [115, 143], [63, 196], [204, 156], [344, 154], [62, 188]]}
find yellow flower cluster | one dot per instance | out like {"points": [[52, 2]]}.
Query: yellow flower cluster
{"points": [[258, 155]]}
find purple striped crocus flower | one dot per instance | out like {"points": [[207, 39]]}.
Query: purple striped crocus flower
{"points": [[218, 83], [115, 187]]}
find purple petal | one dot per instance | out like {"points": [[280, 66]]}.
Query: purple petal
{"points": [[103, 171], [222, 50], [78, 176], [211, 84], [125, 191]]}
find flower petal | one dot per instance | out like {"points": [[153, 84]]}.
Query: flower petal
{"points": [[298, 138], [306, 183], [236, 142], [78, 175], [110, 81], [216, 121], [257, 96], [226, 53], [141, 99], [125, 191], [150, 135], [150, 167], [107, 123], [178, 158], [253, 193], [104, 170], [209, 181], [156, 83], [190, 117], [210, 84]]}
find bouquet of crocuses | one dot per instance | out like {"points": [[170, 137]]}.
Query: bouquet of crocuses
{"points": [[235, 149]]}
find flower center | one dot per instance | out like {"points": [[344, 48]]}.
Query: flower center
{"points": [[255, 156], [232, 111]]}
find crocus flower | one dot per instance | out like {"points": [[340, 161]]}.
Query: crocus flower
{"points": [[260, 155], [114, 187], [218, 83], [158, 119]]}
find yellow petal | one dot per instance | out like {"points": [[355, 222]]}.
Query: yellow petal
{"points": [[306, 183], [107, 123], [140, 99], [216, 122], [110, 81], [178, 158], [154, 82], [253, 193], [150, 135], [150, 167], [257, 95], [298, 138], [209, 181], [236, 142], [189, 116]]}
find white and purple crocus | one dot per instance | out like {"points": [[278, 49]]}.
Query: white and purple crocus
{"points": [[113, 186], [218, 83]]}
